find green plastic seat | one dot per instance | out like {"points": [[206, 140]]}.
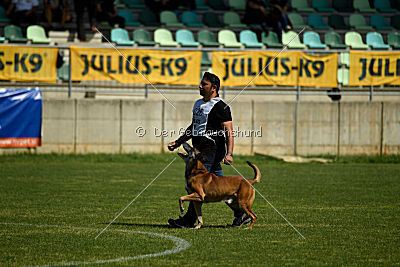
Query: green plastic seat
{"points": [[2, 39], [334, 41], [147, 18], [271, 40], [186, 38], [363, 6], [121, 37], [375, 40], [200, 5], [317, 22], [297, 21], [134, 4], [142, 37], [292, 40], [3, 17], [357, 21], [217, 5], [379, 22], [63, 73], [232, 20], [228, 39], [169, 19], [207, 38], [384, 6], [164, 38], [249, 39], [37, 35], [312, 40], [354, 41], [237, 4], [211, 19], [395, 21], [394, 40], [343, 76], [190, 19], [14, 34], [302, 6], [342, 5], [337, 22], [345, 59], [128, 16], [205, 60], [322, 6]]}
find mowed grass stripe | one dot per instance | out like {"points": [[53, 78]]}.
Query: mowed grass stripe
{"points": [[348, 211]]}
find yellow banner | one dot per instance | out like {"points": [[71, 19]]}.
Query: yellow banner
{"points": [[26, 64], [289, 68], [374, 68], [169, 67]]}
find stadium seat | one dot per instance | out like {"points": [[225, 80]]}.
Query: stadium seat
{"points": [[334, 41], [354, 41], [345, 59], [207, 38], [190, 19], [397, 4], [200, 5], [357, 21], [249, 39], [292, 40], [337, 22], [128, 16], [169, 19], [317, 22], [134, 4], [322, 6], [212, 20], [395, 21], [37, 35], [394, 40], [217, 5], [379, 22], [2, 39], [228, 39], [363, 6], [186, 38], [297, 21], [142, 37], [312, 40], [384, 6], [147, 18], [164, 38], [237, 4], [232, 19], [375, 40], [205, 60], [342, 6], [14, 34], [121, 37], [343, 76], [302, 6], [271, 40], [63, 73], [3, 17]]}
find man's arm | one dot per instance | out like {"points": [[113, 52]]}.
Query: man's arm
{"points": [[229, 141], [185, 137]]}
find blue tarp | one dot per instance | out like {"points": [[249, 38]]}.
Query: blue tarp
{"points": [[20, 117]]}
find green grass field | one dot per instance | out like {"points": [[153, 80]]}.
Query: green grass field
{"points": [[52, 207]]}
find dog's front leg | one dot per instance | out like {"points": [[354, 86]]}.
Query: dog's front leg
{"points": [[197, 208], [190, 197]]}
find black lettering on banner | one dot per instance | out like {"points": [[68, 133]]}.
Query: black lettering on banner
{"points": [[226, 62], [363, 69], [371, 67], [305, 67], [36, 61], [275, 65], [387, 66], [86, 61], [168, 66], [120, 64], [1, 62], [249, 65], [181, 64], [101, 66], [18, 61], [109, 65], [241, 73], [285, 67], [375, 67], [145, 61], [128, 65], [318, 66]]}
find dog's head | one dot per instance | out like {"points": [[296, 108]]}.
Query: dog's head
{"points": [[192, 159]]}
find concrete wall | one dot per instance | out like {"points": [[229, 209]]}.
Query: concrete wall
{"points": [[276, 128]]}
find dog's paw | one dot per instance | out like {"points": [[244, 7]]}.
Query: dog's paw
{"points": [[182, 210], [198, 226]]}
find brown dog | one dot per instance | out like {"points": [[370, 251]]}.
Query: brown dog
{"points": [[203, 186]]}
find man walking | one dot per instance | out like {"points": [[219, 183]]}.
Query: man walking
{"points": [[211, 123]]}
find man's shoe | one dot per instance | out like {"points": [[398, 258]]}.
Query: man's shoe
{"points": [[180, 223], [239, 221]]}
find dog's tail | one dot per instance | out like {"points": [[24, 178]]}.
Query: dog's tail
{"points": [[257, 173]]}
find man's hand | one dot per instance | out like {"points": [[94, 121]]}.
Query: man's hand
{"points": [[173, 145], [228, 160]]}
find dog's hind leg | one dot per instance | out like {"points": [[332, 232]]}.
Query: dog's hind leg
{"points": [[197, 208]]}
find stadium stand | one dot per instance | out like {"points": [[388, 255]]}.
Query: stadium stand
{"points": [[128, 16], [207, 38], [211, 19], [190, 19], [142, 37], [312, 40], [3, 17], [354, 40], [333, 40], [205, 60], [121, 37], [375, 41], [292, 40], [37, 35], [322, 6], [271, 40], [228, 39], [337, 22], [384, 6], [316, 21], [148, 18], [169, 19], [2, 39], [344, 59], [232, 19], [394, 40], [185, 38], [249, 39], [363, 6], [134, 4], [343, 76], [164, 38], [379, 22], [237, 4], [200, 5], [297, 21], [14, 34], [395, 21], [357, 21], [302, 6], [217, 5], [342, 6]]}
